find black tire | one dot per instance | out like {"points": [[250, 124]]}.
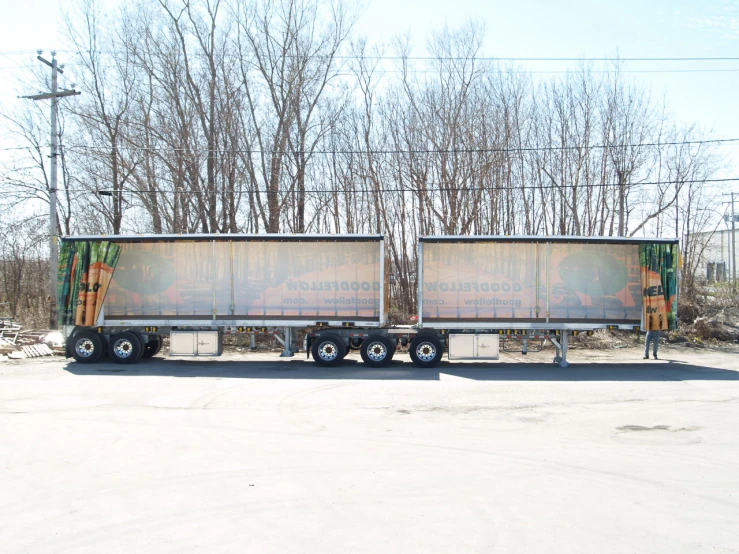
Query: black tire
{"points": [[159, 346], [152, 347], [377, 350], [86, 347], [125, 348], [328, 350], [426, 351]]}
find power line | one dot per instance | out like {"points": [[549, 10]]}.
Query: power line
{"points": [[655, 59], [486, 58], [350, 58], [493, 59], [18, 52], [556, 71], [514, 71], [415, 151], [428, 189], [391, 152], [543, 59]]}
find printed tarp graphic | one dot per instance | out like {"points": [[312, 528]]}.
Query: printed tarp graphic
{"points": [[659, 285], [528, 281], [249, 279], [84, 275]]}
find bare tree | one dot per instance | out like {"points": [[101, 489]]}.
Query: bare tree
{"points": [[23, 257], [256, 115], [107, 84]]}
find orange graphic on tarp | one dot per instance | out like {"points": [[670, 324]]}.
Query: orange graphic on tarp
{"points": [[85, 271], [79, 318], [248, 279], [349, 291], [593, 281], [98, 281], [497, 280], [469, 280], [655, 305], [659, 282]]}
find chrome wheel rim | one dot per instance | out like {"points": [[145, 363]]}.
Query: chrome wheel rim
{"points": [[426, 352], [123, 348], [376, 352], [328, 351], [84, 348]]}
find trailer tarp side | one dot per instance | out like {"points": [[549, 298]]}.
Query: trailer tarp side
{"points": [[247, 280], [542, 283]]}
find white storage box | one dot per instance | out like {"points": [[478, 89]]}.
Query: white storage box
{"points": [[195, 343], [473, 347]]}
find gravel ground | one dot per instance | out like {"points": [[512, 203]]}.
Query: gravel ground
{"points": [[253, 453]]}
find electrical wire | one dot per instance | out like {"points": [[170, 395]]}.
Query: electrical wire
{"points": [[377, 71], [475, 58], [415, 151], [87, 147], [430, 189], [546, 59]]}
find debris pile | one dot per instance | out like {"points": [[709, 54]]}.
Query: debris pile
{"points": [[15, 343], [721, 326]]}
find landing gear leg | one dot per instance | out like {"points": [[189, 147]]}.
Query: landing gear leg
{"points": [[287, 351], [563, 362], [560, 358]]}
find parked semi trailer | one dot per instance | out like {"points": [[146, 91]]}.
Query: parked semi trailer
{"points": [[119, 295], [478, 292]]}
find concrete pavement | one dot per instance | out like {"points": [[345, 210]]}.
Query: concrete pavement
{"points": [[253, 453]]}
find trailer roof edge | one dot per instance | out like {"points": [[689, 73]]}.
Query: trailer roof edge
{"points": [[540, 238], [240, 237]]}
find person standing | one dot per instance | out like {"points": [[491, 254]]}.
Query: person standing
{"points": [[654, 337]]}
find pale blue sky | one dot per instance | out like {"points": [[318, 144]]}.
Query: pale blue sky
{"points": [[581, 28], [518, 28]]}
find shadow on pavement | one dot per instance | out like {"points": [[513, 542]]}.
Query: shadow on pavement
{"points": [[662, 370]]}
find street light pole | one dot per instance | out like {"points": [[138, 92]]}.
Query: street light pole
{"points": [[54, 96]]}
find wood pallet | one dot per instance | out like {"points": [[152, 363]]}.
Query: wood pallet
{"points": [[36, 350]]}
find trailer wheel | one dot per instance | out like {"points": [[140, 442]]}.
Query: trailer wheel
{"points": [[328, 350], [426, 350], [86, 347], [152, 347], [377, 351], [125, 348]]}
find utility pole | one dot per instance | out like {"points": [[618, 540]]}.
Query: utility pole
{"points": [[54, 96], [733, 239]]}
